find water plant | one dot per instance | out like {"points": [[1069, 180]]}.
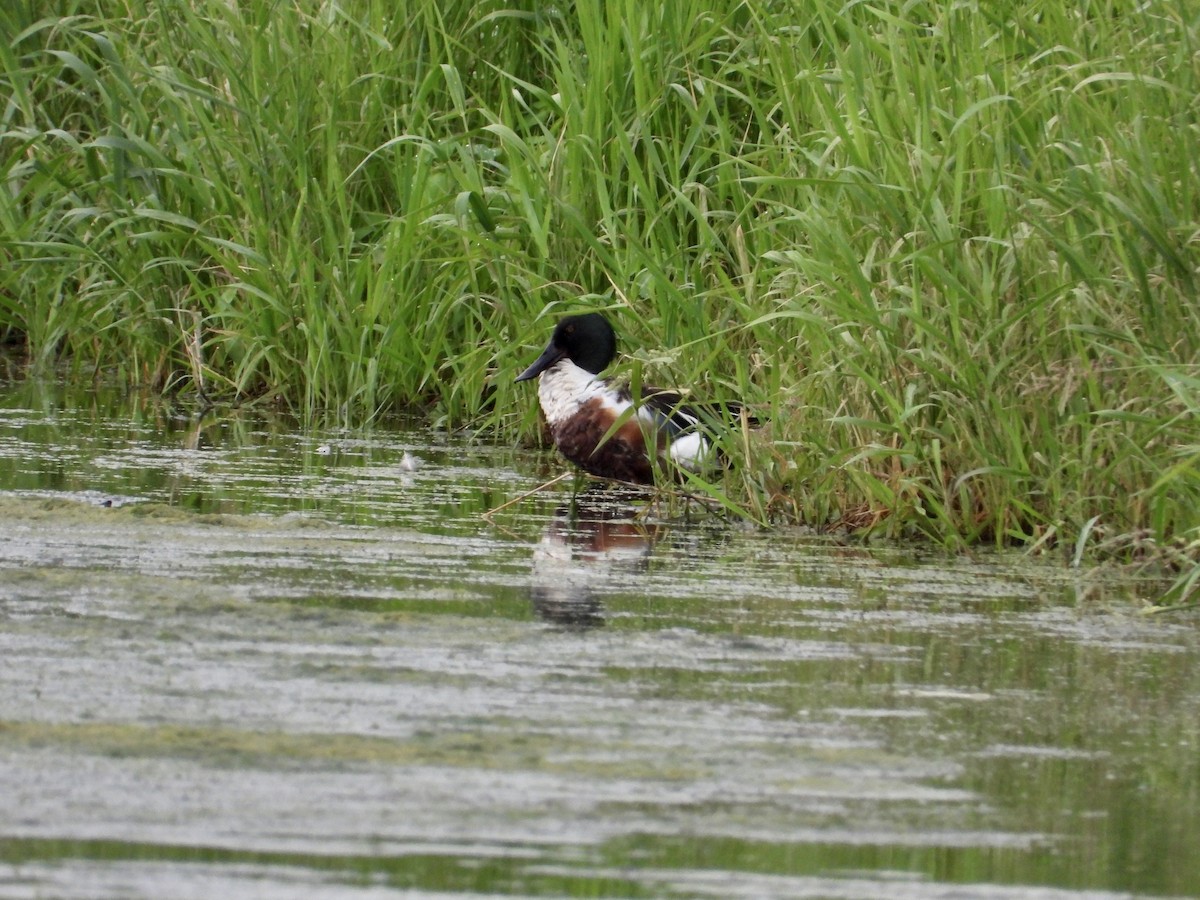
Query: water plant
{"points": [[947, 249]]}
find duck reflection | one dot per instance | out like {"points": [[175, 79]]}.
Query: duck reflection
{"points": [[593, 543]]}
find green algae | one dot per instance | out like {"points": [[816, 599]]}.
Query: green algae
{"points": [[229, 747]]}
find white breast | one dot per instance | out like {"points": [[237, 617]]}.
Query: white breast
{"points": [[564, 388]]}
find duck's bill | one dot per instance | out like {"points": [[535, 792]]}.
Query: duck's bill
{"points": [[549, 357]]}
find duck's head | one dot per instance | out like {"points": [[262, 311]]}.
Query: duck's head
{"points": [[586, 340]]}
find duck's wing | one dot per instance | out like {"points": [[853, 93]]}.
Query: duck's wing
{"points": [[677, 416]]}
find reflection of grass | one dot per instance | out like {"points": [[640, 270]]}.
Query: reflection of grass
{"points": [[950, 255]]}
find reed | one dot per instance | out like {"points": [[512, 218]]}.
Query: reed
{"points": [[947, 249]]}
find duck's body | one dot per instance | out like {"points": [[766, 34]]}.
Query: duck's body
{"points": [[596, 425]]}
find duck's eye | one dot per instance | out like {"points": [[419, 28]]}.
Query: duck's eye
{"points": [[570, 329]]}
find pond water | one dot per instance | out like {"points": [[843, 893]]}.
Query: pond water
{"points": [[246, 660]]}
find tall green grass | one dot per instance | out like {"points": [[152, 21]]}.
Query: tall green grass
{"points": [[947, 249]]}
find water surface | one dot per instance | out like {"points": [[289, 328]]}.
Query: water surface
{"points": [[243, 659]]}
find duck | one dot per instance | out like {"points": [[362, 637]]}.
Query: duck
{"points": [[596, 424]]}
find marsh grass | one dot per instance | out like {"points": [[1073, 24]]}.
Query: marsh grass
{"points": [[947, 250]]}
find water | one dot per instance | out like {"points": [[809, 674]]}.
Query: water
{"points": [[238, 659]]}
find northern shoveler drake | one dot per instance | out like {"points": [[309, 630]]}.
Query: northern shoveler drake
{"points": [[582, 409]]}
